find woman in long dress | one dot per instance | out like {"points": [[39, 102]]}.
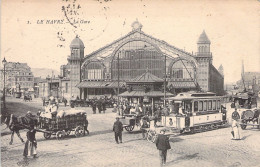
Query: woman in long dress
{"points": [[31, 144], [236, 128]]}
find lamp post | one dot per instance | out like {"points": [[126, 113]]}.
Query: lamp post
{"points": [[4, 63]]}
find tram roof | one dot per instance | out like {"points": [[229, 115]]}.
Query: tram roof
{"points": [[194, 95]]}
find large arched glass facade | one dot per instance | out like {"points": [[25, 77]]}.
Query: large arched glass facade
{"points": [[183, 69], [135, 58], [93, 71]]}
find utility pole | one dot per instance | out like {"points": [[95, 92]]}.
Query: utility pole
{"points": [[4, 63]]}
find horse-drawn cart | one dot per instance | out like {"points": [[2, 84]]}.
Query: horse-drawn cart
{"points": [[61, 127], [250, 118], [129, 121]]}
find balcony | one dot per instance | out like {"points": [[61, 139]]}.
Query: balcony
{"points": [[203, 54]]}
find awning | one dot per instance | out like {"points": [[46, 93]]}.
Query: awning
{"points": [[99, 84], [143, 94], [181, 84]]}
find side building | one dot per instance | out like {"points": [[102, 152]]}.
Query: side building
{"points": [[18, 75]]}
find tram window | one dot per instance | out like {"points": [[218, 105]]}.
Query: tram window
{"points": [[205, 106], [214, 105], [210, 105], [200, 106], [218, 104], [196, 106]]}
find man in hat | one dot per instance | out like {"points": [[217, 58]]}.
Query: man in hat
{"points": [[31, 144], [162, 144], [118, 128]]}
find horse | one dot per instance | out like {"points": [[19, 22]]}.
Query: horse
{"points": [[15, 124]]}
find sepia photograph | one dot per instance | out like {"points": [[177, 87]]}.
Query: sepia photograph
{"points": [[130, 83]]}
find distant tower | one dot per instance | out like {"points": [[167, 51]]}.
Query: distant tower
{"points": [[203, 43], [221, 70], [204, 59], [74, 62]]}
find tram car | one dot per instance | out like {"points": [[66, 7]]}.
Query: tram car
{"points": [[246, 105], [193, 111]]}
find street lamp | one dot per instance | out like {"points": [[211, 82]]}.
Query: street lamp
{"points": [[4, 63]]}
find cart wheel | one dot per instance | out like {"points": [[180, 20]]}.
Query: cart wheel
{"points": [[129, 128], [68, 132], [154, 138], [59, 135], [46, 135], [79, 131], [151, 136], [244, 125]]}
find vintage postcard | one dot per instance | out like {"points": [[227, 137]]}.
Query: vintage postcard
{"points": [[130, 83]]}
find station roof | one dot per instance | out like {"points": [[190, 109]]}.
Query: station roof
{"points": [[146, 77], [99, 84], [181, 84], [143, 94]]}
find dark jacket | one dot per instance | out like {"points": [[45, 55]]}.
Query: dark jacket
{"points": [[118, 127], [162, 142], [235, 115]]}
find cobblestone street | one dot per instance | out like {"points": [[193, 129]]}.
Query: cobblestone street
{"points": [[211, 148]]}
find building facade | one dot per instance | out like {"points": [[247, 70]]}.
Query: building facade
{"points": [[17, 75], [105, 70]]}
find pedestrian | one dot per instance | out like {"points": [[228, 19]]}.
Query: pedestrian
{"points": [[144, 125], [236, 128], [65, 101], [31, 143], [104, 106], [118, 128], [170, 122], [94, 106], [99, 106], [162, 144]]}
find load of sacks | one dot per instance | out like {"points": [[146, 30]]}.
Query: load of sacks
{"points": [[62, 113], [69, 112]]}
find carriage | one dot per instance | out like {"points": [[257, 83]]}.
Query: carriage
{"points": [[61, 127], [246, 105], [130, 121]]}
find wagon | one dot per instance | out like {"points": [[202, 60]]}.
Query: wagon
{"points": [[250, 118], [61, 127], [129, 121]]}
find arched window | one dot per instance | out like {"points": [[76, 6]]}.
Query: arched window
{"points": [[135, 58], [180, 72], [93, 71]]}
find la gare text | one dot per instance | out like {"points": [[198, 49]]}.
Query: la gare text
{"points": [[62, 21]]}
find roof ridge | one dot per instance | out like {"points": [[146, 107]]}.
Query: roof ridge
{"points": [[143, 33]]}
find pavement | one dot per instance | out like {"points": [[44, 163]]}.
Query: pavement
{"points": [[206, 149]]}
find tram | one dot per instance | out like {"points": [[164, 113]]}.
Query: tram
{"points": [[195, 111]]}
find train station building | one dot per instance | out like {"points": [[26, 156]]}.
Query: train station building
{"points": [[105, 70]]}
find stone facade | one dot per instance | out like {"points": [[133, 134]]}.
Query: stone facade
{"points": [[17, 74]]}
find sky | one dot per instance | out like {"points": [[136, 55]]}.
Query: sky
{"points": [[30, 35]]}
